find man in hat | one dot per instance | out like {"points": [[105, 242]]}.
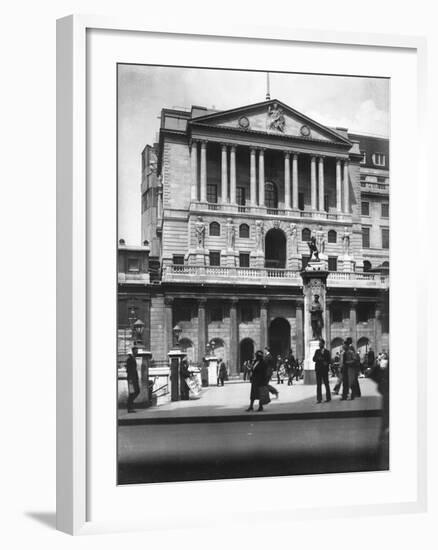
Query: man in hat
{"points": [[322, 364], [349, 371], [132, 378]]}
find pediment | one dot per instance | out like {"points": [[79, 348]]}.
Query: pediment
{"points": [[271, 117]]}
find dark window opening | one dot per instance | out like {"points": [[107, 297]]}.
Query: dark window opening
{"points": [[337, 313], [241, 196], [271, 196], [363, 313], [365, 237], [215, 229], [365, 208], [244, 231], [385, 210], [332, 236], [211, 193], [301, 201], [244, 259], [305, 234], [385, 238], [215, 258], [366, 265], [333, 263], [178, 259]]}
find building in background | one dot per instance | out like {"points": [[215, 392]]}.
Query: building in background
{"points": [[230, 200]]}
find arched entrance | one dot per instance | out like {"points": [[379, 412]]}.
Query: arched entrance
{"points": [[279, 337], [246, 351], [275, 249], [335, 346], [362, 347]]}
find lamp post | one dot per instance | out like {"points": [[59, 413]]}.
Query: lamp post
{"points": [[176, 334], [175, 356], [137, 332]]}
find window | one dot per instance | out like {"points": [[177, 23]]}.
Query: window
{"points": [[244, 259], [133, 264], [366, 265], [363, 312], [215, 258], [246, 312], [337, 314], [215, 229], [304, 261], [365, 208], [385, 238], [385, 210], [244, 231], [271, 198], [363, 160], [241, 196], [305, 234], [178, 259], [216, 313], [365, 237], [211, 193], [332, 236], [301, 201], [379, 159], [333, 263]]}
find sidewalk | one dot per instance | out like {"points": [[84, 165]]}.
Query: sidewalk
{"points": [[229, 403]]}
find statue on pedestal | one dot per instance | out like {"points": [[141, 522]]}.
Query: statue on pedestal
{"points": [[346, 242], [314, 252], [320, 240], [316, 317], [200, 232], [293, 238], [259, 235], [231, 234]]}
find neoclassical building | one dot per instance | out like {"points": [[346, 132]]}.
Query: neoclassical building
{"points": [[230, 200]]}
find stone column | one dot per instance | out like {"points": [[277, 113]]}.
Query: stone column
{"points": [[224, 175], [295, 181], [203, 197], [299, 354], [346, 189], [263, 323], [287, 180], [233, 174], [168, 323], [234, 338], [202, 328], [194, 165], [313, 182], [338, 186], [252, 177], [378, 328], [321, 183], [261, 177], [353, 322]]}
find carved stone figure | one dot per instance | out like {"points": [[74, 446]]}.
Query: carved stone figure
{"points": [[314, 253], [276, 120], [293, 238], [316, 317], [200, 232], [231, 233], [320, 240], [259, 235], [346, 242]]}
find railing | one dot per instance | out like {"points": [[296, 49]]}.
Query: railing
{"points": [[372, 186]]}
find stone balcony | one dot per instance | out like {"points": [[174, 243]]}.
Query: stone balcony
{"points": [[374, 188], [267, 276], [133, 278]]}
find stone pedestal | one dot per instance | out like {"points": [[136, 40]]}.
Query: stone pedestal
{"points": [[197, 256], [230, 257], [212, 362], [175, 356], [314, 283]]}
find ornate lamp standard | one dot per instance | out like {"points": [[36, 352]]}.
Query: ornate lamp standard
{"points": [[175, 355]]}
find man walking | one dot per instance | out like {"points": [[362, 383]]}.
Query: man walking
{"points": [[259, 381], [269, 362], [322, 365], [132, 378], [349, 371]]}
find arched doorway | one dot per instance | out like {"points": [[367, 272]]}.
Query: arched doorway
{"points": [[275, 249], [246, 351], [279, 337], [362, 347], [335, 346]]}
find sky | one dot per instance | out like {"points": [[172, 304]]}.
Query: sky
{"points": [[360, 104]]}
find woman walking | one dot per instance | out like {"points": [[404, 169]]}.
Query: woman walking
{"points": [[259, 382]]}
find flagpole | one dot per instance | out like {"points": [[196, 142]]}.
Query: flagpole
{"points": [[268, 92]]}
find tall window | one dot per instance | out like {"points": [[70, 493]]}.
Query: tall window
{"points": [[301, 201], [365, 208], [365, 237], [215, 257], [244, 259], [241, 196], [211, 193], [271, 197], [333, 263], [366, 265], [332, 236], [244, 231], [385, 210], [305, 234], [215, 229], [385, 238]]}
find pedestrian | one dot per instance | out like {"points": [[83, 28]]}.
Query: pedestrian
{"points": [[184, 374], [278, 366], [290, 371], [338, 370], [132, 378], [281, 373], [336, 365], [321, 359], [259, 382], [222, 373], [269, 360], [349, 371]]}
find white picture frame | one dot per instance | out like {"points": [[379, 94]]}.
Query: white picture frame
{"points": [[75, 214]]}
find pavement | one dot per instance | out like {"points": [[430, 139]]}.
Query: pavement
{"points": [[229, 403]]}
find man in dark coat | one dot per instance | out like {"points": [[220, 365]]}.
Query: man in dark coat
{"points": [[184, 374], [270, 365], [132, 378], [259, 378], [322, 365]]}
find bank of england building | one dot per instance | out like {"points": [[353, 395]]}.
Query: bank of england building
{"points": [[230, 200]]}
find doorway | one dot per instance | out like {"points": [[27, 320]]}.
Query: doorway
{"points": [[275, 249], [246, 351], [279, 337]]}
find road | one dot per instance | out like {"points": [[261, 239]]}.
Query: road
{"points": [[182, 452]]}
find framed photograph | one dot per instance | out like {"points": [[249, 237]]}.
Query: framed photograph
{"points": [[231, 220]]}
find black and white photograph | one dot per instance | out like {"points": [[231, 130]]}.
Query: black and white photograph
{"points": [[253, 256]]}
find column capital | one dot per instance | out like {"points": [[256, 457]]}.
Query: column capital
{"points": [[168, 300], [203, 142], [286, 154], [321, 157], [354, 303], [224, 145], [252, 148]]}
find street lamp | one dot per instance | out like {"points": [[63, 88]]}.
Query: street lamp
{"points": [[177, 333], [137, 331]]}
